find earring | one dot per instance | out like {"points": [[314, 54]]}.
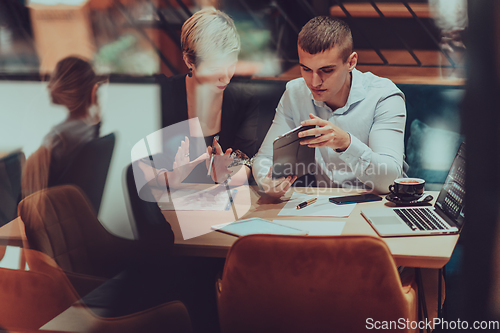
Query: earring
{"points": [[190, 73]]}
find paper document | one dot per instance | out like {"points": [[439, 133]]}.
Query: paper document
{"points": [[322, 207], [253, 226], [12, 257], [215, 198], [316, 228]]}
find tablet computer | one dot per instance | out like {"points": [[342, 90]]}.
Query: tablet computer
{"points": [[290, 158]]}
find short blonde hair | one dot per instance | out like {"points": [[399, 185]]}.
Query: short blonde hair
{"points": [[208, 32]]}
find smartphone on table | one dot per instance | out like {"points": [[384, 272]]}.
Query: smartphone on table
{"points": [[355, 198]]}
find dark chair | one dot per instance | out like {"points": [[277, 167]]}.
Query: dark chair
{"points": [[151, 226], [10, 185], [432, 132], [89, 169], [60, 222], [189, 279]]}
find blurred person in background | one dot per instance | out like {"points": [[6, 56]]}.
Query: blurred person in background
{"points": [[73, 84]]}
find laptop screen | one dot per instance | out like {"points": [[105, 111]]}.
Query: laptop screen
{"points": [[451, 198]]}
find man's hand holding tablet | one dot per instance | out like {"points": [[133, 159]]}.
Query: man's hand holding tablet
{"points": [[329, 135], [290, 156], [287, 155]]}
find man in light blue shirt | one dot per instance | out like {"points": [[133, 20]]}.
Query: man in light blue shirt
{"points": [[359, 117]]}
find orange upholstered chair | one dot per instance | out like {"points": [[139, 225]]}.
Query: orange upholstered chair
{"points": [[43, 295], [275, 283], [60, 222], [31, 298], [169, 317]]}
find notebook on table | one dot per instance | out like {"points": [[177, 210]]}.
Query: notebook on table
{"points": [[446, 217], [253, 226]]}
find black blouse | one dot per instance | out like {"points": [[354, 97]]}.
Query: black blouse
{"points": [[239, 119]]}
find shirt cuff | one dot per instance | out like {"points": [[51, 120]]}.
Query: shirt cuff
{"points": [[356, 150]]}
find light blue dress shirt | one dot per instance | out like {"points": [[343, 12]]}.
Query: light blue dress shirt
{"points": [[374, 116]]}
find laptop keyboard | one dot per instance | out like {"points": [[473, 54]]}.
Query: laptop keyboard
{"points": [[420, 219]]}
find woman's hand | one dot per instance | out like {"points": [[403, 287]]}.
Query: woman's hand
{"points": [[219, 167], [182, 155], [182, 166]]}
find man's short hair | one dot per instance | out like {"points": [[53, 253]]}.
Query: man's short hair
{"points": [[322, 33]]}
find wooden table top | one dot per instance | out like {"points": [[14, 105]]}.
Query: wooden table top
{"points": [[194, 236]]}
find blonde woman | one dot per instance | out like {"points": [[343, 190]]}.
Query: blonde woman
{"points": [[210, 46]]}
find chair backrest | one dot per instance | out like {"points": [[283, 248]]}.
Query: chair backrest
{"points": [[89, 169], [60, 222], [149, 221], [41, 295], [32, 298], [10, 185], [277, 283]]}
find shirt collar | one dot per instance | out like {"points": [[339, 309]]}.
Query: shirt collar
{"points": [[356, 94]]}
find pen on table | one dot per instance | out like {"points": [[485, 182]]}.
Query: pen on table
{"points": [[232, 194], [306, 203], [216, 138]]}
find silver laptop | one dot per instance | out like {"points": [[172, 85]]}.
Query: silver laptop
{"points": [[446, 217]]}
